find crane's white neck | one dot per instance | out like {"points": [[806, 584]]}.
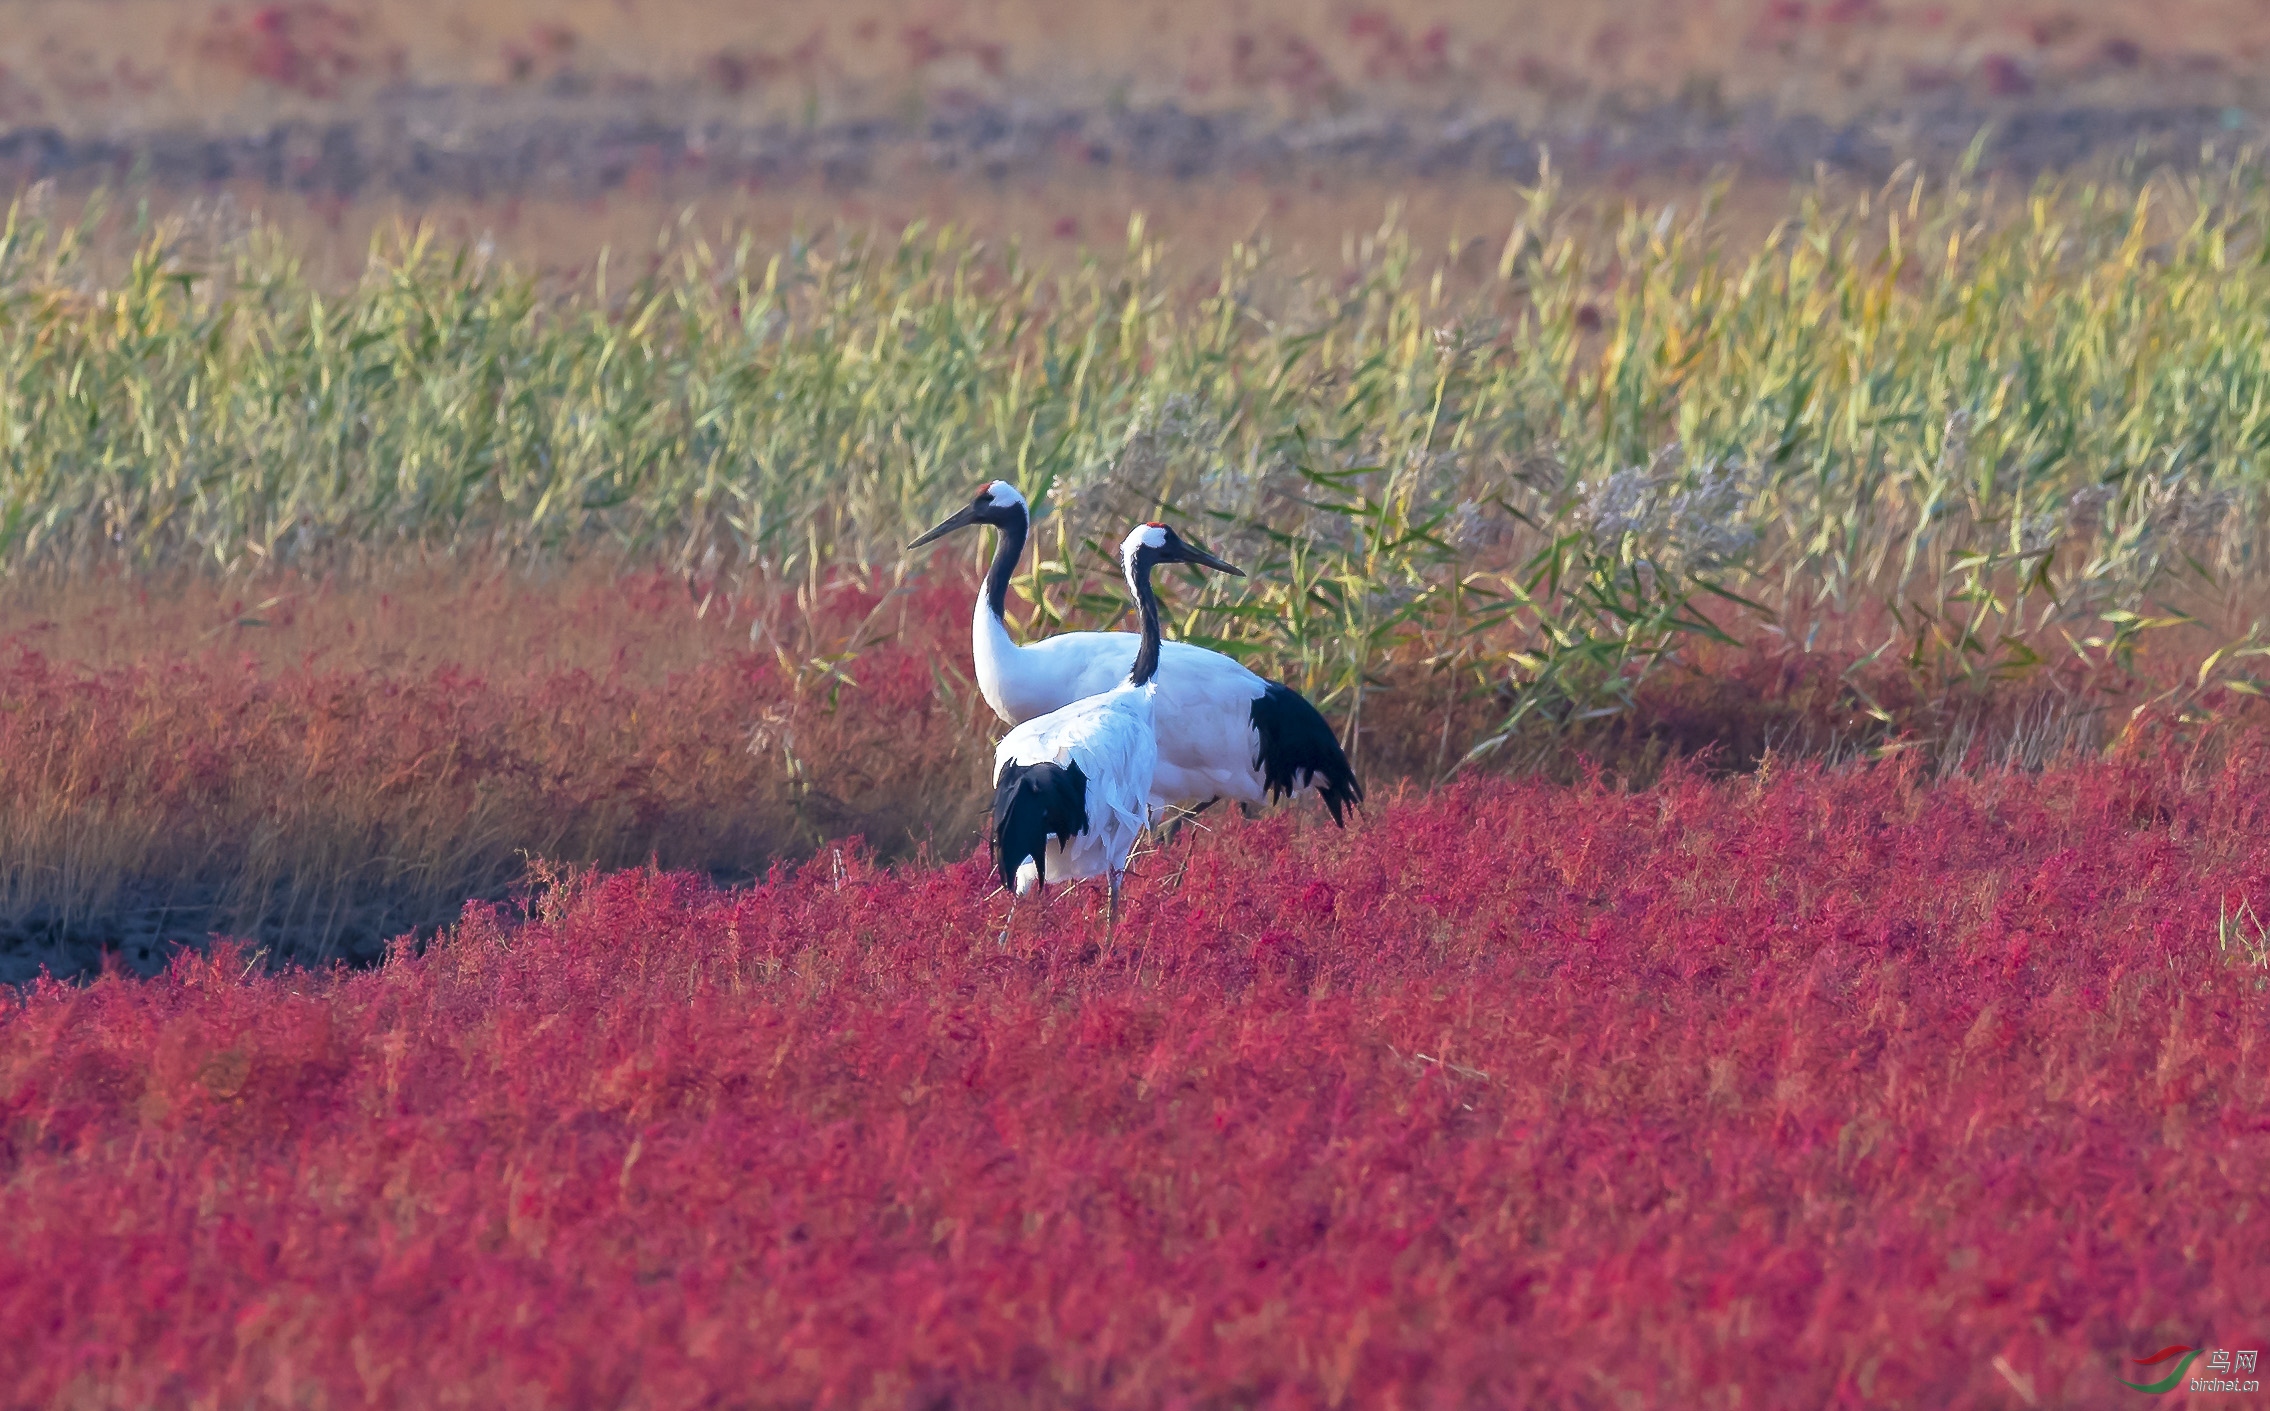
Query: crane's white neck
{"points": [[991, 646], [994, 652]]}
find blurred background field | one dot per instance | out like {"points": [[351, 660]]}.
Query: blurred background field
{"points": [[554, 128], [116, 66], [1606, 384]]}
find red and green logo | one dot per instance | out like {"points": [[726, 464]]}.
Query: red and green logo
{"points": [[2170, 1381]]}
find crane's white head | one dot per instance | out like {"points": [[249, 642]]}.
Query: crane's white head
{"points": [[996, 503], [1142, 539], [1148, 544], [1145, 546]]}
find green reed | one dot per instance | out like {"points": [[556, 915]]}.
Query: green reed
{"points": [[2028, 427]]}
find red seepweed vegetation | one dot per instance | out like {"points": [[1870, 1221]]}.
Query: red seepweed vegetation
{"points": [[1805, 1089], [334, 766], [317, 766]]}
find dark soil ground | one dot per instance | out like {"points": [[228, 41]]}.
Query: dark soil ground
{"points": [[423, 145]]}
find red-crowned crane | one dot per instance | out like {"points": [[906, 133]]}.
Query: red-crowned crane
{"points": [[1223, 732], [1072, 788]]}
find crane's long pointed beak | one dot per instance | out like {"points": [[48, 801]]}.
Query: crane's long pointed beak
{"points": [[1193, 554], [966, 515]]}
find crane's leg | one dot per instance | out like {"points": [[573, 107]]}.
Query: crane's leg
{"points": [[1012, 920], [1157, 828], [1111, 908], [1175, 817]]}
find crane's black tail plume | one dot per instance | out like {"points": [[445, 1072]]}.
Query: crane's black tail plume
{"points": [[1298, 750], [1031, 804]]}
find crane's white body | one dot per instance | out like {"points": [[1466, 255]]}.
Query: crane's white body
{"points": [[1109, 736], [1072, 788], [1202, 717]]}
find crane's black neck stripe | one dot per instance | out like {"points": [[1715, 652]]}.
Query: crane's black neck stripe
{"points": [[1031, 804], [1006, 552], [1147, 603], [1297, 750]]}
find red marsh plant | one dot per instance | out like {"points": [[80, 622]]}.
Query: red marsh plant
{"points": [[322, 769], [1810, 1088], [319, 765]]}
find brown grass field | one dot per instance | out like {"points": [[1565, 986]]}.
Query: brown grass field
{"points": [[1056, 222]]}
